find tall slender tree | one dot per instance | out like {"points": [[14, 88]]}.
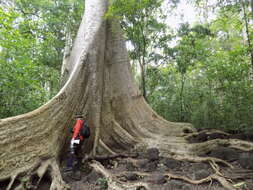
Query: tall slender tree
{"points": [[247, 28]]}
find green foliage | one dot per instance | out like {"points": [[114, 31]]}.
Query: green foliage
{"points": [[32, 39], [102, 182], [207, 80]]}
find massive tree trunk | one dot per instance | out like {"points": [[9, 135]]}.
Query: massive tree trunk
{"points": [[101, 85]]}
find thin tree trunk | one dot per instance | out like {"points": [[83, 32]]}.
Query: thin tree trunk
{"points": [[143, 79], [141, 61], [144, 64], [248, 35], [182, 97], [66, 55], [251, 4]]}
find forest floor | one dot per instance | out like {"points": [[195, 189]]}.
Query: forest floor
{"points": [[151, 168]]}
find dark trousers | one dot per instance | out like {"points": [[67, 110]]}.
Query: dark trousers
{"points": [[75, 157]]}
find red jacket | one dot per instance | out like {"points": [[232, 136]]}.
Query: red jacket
{"points": [[77, 128]]}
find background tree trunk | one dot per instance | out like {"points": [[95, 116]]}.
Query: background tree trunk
{"points": [[66, 55], [251, 5], [246, 20]]}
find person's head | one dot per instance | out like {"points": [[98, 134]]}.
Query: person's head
{"points": [[79, 116]]}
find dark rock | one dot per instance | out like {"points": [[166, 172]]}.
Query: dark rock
{"points": [[185, 164], [187, 131], [246, 160], [122, 161], [200, 174], [142, 163], [140, 188], [165, 186], [152, 154], [200, 166], [142, 155], [217, 136], [43, 185], [93, 176], [171, 163], [197, 138], [249, 186], [76, 176], [249, 136], [130, 166], [225, 153], [156, 179], [161, 168], [174, 184], [186, 187], [201, 137], [131, 176], [237, 136], [151, 166]]}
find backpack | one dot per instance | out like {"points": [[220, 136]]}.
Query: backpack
{"points": [[85, 130]]}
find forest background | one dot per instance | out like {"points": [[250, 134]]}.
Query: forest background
{"points": [[199, 73]]}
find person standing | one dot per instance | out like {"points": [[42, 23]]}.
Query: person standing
{"points": [[81, 131]]}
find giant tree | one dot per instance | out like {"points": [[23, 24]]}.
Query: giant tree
{"points": [[101, 85]]}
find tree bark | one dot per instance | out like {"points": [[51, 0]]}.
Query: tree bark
{"points": [[100, 84], [66, 55], [246, 20], [251, 5], [182, 115]]}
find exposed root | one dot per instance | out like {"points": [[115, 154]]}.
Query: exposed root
{"points": [[224, 182], [241, 144], [208, 132], [216, 168], [57, 181], [236, 174], [202, 159], [113, 182], [101, 143], [26, 181], [218, 176], [189, 153], [107, 157], [204, 147], [11, 182], [221, 179]]}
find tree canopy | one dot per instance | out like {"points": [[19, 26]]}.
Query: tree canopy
{"points": [[32, 41], [199, 72]]}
